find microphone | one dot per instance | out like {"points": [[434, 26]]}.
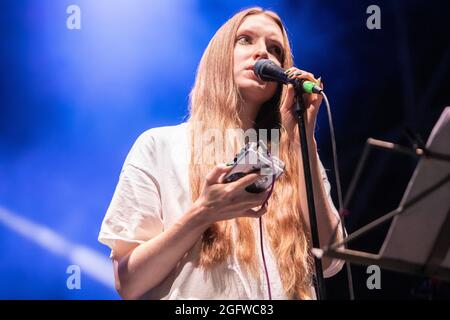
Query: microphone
{"points": [[267, 70]]}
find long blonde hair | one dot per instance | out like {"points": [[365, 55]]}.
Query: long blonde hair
{"points": [[214, 103]]}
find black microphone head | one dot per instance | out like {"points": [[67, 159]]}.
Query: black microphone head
{"points": [[267, 70], [259, 67]]}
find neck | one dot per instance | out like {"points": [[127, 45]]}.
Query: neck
{"points": [[248, 113]]}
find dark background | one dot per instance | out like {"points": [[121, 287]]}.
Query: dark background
{"points": [[72, 102]]}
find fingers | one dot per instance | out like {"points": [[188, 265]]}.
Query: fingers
{"points": [[256, 213], [256, 199], [214, 175], [305, 76], [246, 180], [295, 73], [253, 200], [263, 196], [289, 99], [321, 83]]}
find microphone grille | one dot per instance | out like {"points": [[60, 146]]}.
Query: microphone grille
{"points": [[260, 65]]}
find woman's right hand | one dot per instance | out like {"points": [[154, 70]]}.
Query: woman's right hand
{"points": [[223, 201]]}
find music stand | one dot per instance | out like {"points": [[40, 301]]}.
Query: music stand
{"points": [[418, 240]]}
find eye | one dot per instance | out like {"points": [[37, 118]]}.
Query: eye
{"points": [[277, 51], [243, 39]]}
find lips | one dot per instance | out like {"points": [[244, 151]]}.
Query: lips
{"points": [[253, 75]]}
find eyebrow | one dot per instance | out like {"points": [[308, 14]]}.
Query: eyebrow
{"points": [[254, 33]]}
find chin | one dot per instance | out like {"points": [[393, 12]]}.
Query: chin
{"points": [[255, 89], [249, 83]]}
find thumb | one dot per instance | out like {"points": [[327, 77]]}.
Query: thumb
{"points": [[320, 82], [213, 176], [288, 99]]}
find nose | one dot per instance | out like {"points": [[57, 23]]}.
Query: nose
{"points": [[260, 53]]}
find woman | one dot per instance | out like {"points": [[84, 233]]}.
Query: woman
{"points": [[176, 231]]}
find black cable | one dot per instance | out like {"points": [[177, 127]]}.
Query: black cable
{"points": [[339, 193], [261, 228]]}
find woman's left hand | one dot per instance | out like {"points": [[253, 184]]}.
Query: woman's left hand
{"points": [[312, 102]]}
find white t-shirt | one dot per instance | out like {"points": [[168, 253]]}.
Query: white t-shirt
{"points": [[152, 194]]}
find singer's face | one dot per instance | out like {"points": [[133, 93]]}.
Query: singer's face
{"points": [[258, 37]]}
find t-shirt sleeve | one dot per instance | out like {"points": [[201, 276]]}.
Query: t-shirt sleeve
{"points": [[134, 214], [336, 264]]}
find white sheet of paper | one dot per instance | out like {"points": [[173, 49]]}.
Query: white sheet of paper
{"points": [[412, 234]]}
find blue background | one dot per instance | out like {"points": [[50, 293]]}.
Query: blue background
{"points": [[72, 102]]}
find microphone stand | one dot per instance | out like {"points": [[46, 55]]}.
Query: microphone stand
{"points": [[301, 114]]}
